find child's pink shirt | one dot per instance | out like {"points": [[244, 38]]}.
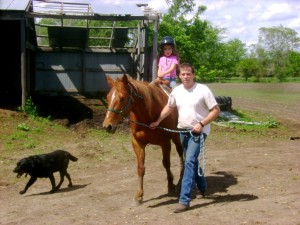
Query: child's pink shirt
{"points": [[166, 62]]}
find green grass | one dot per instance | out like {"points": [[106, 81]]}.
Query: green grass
{"points": [[29, 133], [277, 93], [261, 99], [262, 80]]}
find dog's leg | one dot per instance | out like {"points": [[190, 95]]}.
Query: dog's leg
{"points": [[62, 174], [69, 178], [52, 180], [30, 182]]}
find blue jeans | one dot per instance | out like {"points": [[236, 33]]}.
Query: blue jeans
{"points": [[192, 169], [172, 81]]}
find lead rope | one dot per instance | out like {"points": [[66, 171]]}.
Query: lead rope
{"points": [[201, 157]]}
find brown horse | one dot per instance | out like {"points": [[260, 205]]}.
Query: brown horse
{"points": [[142, 103]]}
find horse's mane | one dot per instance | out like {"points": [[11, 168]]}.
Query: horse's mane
{"points": [[151, 94]]}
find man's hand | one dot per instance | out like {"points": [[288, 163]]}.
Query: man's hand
{"points": [[197, 128], [153, 125]]}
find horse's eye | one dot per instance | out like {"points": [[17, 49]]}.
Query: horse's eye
{"points": [[122, 99]]}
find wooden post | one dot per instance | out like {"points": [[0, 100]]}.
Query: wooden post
{"points": [[155, 34], [23, 63], [139, 63]]}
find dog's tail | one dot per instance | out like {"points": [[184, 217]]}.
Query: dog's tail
{"points": [[72, 158]]}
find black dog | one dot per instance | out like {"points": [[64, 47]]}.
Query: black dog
{"points": [[44, 166]]}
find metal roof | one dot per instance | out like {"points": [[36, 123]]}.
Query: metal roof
{"points": [[14, 5], [75, 8], [62, 7]]}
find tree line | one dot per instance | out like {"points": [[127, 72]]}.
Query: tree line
{"points": [[276, 54]]}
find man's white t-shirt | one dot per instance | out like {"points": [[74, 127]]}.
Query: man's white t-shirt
{"points": [[193, 105]]}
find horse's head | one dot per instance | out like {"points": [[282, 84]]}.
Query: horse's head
{"points": [[119, 101]]}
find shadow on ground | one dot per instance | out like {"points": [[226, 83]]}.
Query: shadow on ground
{"points": [[216, 184]]}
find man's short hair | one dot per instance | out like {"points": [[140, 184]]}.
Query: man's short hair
{"points": [[187, 65]]}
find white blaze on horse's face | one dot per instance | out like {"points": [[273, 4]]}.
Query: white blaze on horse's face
{"points": [[113, 96]]}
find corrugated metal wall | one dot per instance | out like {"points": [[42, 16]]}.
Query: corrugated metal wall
{"points": [[67, 73], [65, 59]]}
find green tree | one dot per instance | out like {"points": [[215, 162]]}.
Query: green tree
{"points": [[234, 52], [197, 41], [273, 47], [179, 8], [294, 64], [248, 67]]}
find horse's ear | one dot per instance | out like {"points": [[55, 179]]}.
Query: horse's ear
{"points": [[125, 79], [110, 81]]}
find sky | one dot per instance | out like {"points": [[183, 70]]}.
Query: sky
{"points": [[241, 18]]}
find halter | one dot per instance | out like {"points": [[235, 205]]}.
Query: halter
{"points": [[129, 102], [122, 110]]}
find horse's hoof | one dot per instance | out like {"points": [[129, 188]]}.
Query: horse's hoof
{"points": [[138, 202]]}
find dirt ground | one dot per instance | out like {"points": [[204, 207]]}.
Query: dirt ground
{"points": [[253, 176]]}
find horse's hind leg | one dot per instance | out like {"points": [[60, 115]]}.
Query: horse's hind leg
{"points": [[166, 150]]}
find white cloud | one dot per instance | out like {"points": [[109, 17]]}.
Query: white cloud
{"points": [[255, 12], [215, 5], [227, 17], [158, 5], [295, 24], [277, 11], [247, 16], [241, 18]]}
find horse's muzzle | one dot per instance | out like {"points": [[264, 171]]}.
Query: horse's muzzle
{"points": [[110, 128]]}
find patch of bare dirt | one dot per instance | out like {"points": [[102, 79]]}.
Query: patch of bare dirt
{"points": [[253, 178]]}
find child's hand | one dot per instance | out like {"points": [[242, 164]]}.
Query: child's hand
{"points": [[160, 74]]}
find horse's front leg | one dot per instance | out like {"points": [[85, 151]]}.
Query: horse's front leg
{"points": [[166, 151], [140, 157], [179, 149]]}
